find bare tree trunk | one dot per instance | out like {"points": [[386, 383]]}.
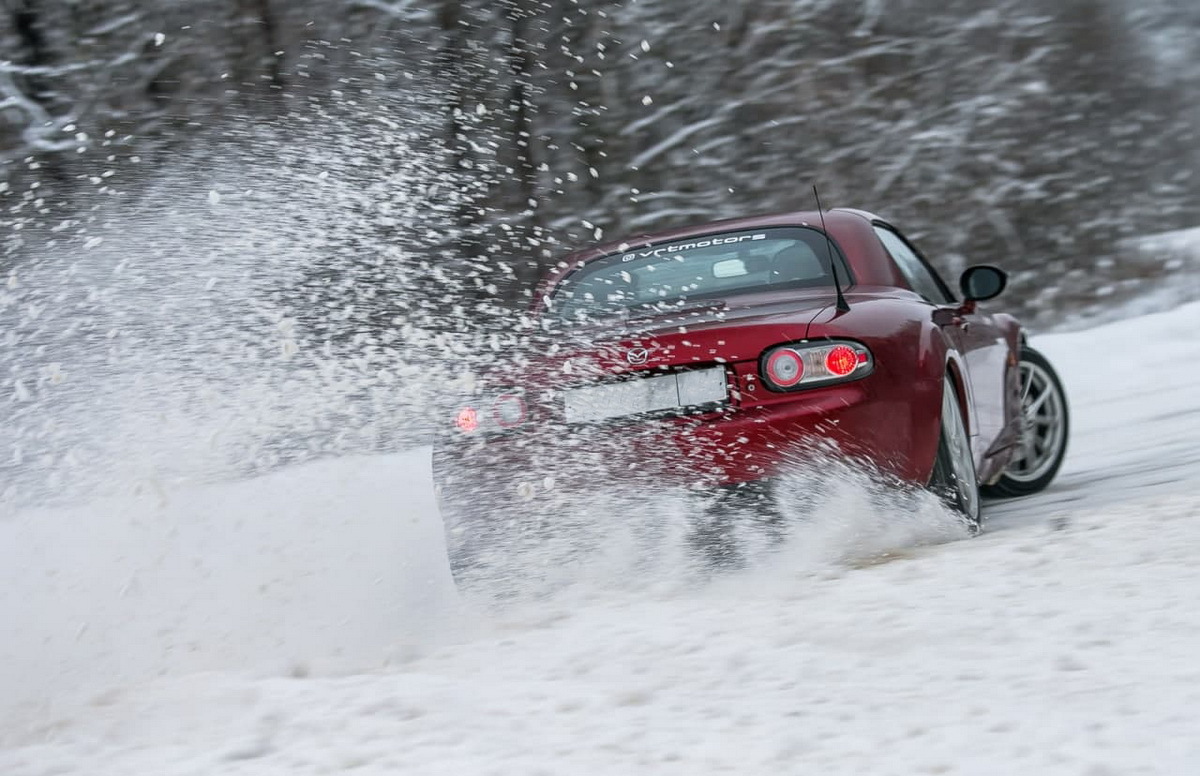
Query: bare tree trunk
{"points": [[520, 65], [451, 74], [258, 64], [35, 54], [274, 51], [27, 24]]}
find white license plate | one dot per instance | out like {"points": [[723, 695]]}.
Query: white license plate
{"points": [[646, 394]]}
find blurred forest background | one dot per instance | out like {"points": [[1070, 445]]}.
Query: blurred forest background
{"points": [[490, 136]]}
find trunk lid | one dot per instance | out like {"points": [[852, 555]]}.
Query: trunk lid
{"points": [[723, 331]]}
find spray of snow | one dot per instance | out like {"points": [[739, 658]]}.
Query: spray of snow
{"points": [[824, 514], [178, 372], [327, 580], [328, 567], [213, 331], [222, 324], [339, 566]]}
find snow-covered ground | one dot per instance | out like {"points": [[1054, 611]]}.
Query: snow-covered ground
{"points": [[304, 622]]}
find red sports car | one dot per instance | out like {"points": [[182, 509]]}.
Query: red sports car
{"points": [[716, 355]]}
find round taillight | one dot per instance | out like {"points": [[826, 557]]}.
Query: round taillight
{"points": [[509, 410], [841, 361], [785, 368], [467, 420]]}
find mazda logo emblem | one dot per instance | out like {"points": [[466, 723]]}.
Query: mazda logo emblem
{"points": [[637, 355]]}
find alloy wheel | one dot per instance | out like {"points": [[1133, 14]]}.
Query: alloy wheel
{"points": [[1043, 422]]}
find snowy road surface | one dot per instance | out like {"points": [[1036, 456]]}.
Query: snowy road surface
{"points": [[304, 622]]}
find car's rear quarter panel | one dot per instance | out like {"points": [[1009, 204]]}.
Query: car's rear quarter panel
{"points": [[901, 433]]}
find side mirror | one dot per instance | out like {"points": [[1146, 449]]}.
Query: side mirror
{"points": [[982, 282]]}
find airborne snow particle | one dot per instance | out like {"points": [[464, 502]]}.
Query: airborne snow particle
{"points": [[645, 45], [647, 100], [214, 197], [159, 38]]}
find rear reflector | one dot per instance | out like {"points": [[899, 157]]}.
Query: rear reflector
{"points": [[785, 368], [509, 410]]}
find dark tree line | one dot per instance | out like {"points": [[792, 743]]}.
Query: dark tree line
{"points": [[1036, 134]]}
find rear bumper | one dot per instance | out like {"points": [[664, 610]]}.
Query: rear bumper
{"points": [[859, 420]]}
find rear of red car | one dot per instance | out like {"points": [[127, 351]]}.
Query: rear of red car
{"points": [[711, 360]]}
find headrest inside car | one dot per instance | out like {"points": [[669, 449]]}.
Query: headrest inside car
{"points": [[795, 262]]}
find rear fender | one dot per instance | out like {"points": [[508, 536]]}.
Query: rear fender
{"points": [[1001, 450], [943, 362], [912, 358]]}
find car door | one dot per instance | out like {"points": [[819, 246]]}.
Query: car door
{"points": [[974, 334]]}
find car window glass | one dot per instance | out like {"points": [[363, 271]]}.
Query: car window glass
{"points": [[915, 270], [665, 276]]}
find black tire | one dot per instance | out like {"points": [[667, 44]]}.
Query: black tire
{"points": [[464, 516], [717, 526], [476, 548], [954, 479], [1044, 436]]}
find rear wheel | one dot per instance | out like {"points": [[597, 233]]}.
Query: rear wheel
{"points": [[732, 515], [954, 478], [1045, 424], [470, 521]]}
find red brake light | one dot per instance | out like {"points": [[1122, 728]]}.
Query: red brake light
{"points": [[467, 420], [785, 368], [841, 361]]}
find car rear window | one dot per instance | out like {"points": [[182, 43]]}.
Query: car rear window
{"points": [[665, 276]]}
